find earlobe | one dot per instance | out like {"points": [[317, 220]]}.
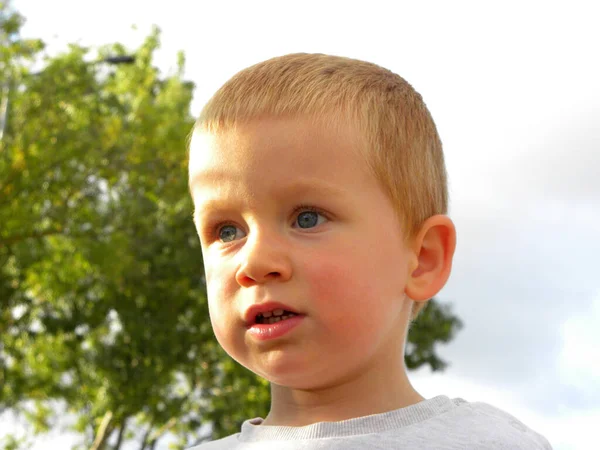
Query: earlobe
{"points": [[433, 249]]}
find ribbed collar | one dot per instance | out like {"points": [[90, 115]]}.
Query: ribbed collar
{"points": [[253, 431]]}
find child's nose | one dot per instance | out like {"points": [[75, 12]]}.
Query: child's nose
{"points": [[263, 259]]}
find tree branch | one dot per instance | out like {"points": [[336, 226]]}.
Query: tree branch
{"points": [[170, 424], [158, 433], [102, 434], [121, 434], [146, 435]]}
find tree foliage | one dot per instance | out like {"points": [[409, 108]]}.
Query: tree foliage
{"points": [[435, 324], [102, 301]]}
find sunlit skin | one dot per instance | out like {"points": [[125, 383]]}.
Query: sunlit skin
{"points": [[288, 212]]}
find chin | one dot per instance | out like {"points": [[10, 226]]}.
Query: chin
{"points": [[301, 378], [291, 374]]}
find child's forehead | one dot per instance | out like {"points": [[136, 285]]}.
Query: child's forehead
{"points": [[275, 152], [292, 136]]}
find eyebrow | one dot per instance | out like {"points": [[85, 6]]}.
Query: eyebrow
{"points": [[295, 187], [308, 185]]}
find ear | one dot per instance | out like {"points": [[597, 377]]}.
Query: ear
{"points": [[433, 250]]}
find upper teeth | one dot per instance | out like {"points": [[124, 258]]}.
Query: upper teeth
{"points": [[274, 316], [275, 312]]}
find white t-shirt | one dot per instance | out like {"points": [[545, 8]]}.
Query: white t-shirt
{"points": [[438, 423]]}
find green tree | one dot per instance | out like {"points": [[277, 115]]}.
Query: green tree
{"points": [[435, 324], [100, 279], [102, 303]]}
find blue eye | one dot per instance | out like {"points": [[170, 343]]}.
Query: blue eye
{"points": [[229, 233], [309, 219]]}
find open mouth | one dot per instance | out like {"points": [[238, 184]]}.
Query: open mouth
{"points": [[274, 316]]}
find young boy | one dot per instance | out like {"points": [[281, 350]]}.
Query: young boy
{"points": [[320, 197]]}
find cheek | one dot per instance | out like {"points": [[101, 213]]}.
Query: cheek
{"points": [[217, 313], [330, 285], [220, 279], [225, 320], [349, 287], [337, 287], [220, 301]]}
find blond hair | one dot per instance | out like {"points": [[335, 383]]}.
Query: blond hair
{"points": [[402, 145]]}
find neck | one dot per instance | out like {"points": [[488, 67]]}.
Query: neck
{"points": [[380, 389]]}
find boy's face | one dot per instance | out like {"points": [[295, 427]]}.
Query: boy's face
{"points": [[290, 218]]}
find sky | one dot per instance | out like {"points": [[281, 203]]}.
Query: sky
{"points": [[513, 88]]}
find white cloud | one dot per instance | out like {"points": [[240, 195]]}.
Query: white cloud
{"points": [[579, 360], [515, 94]]}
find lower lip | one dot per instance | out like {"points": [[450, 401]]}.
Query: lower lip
{"points": [[266, 331]]}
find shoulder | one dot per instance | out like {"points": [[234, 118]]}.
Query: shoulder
{"points": [[495, 428], [229, 442]]}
